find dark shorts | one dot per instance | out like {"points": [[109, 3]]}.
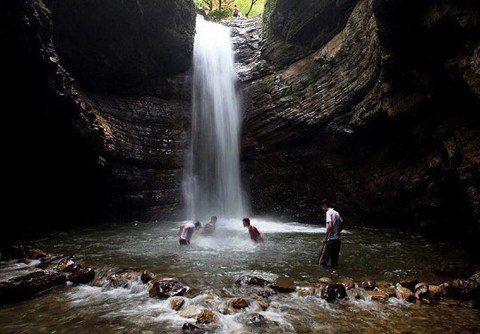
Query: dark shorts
{"points": [[184, 242]]}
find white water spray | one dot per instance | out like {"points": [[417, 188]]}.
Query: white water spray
{"points": [[212, 182]]}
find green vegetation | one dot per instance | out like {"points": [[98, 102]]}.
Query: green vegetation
{"points": [[222, 9]]}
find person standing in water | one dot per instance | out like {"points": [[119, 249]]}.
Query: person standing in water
{"points": [[187, 232], [331, 243], [210, 226], [252, 230]]}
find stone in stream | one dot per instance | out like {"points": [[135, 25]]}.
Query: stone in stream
{"points": [[468, 290], [306, 291], [238, 303], [378, 295], [82, 276], [190, 311], [333, 291], [409, 284], [422, 292], [68, 264], [390, 290], [147, 276], [284, 284], [255, 319], [475, 277], [36, 254], [326, 280], [348, 283], [369, 285], [251, 280], [404, 293], [266, 293], [27, 286], [191, 328], [207, 317], [164, 289], [176, 303], [264, 304]]}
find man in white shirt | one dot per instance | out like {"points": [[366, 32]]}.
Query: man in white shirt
{"points": [[187, 232], [331, 247]]}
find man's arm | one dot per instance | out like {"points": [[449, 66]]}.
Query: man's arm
{"points": [[329, 230]]}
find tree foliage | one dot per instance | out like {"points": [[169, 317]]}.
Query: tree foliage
{"points": [[220, 9]]}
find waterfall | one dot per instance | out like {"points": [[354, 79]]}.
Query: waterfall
{"points": [[212, 183]]}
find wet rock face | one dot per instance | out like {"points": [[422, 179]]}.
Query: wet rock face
{"points": [[105, 106], [295, 29], [382, 111], [113, 45]]}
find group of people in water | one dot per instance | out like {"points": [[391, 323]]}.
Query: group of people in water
{"points": [[189, 228], [330, 249]]}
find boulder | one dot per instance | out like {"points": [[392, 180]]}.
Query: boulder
{"points": [[284, 284], [68, 264], [404, 294], [238, 303], [368, 285], [326, 280], [147, 276], [333, 291], [421, 291], [123, 279], [266, 293], [190, 311], [348, 283], [378, 295], [409, 284], [176, 303], [434, 292], [306, 291], [36, 254], [191, 328], [164, 289], [263, 304], [82, 276], [251, 280], [475, 277], [390, 290], [255, 319], [27, 286], [468, 290], [206, 317]]}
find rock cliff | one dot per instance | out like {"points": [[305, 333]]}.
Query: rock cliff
{"points": [[98, 96], [379, 112]]}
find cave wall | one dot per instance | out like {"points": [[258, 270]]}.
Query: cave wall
{"points": [[97, 101], [382, 117]]}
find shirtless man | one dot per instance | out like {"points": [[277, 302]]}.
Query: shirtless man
{"points": [[252, 230], [187, 232], [210, 227]]}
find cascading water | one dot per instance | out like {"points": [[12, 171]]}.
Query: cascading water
{"points": [[212, 182]]}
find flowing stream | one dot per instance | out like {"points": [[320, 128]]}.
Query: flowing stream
{"points": [[212, 264], [212, 179]]}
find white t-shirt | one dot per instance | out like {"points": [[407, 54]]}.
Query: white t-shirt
{"points": [[187, 231], [333, 217]]}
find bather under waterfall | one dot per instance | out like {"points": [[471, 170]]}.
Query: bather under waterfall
{"points": [[212, 183]]}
